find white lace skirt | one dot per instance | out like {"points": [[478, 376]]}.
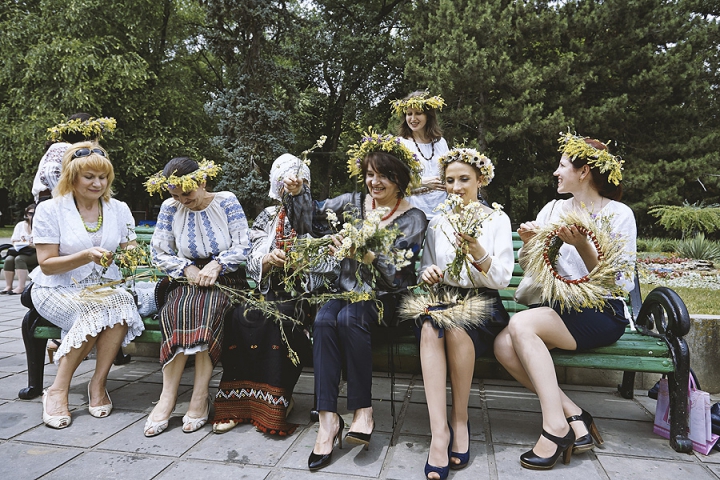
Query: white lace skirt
{"points": [[79, 317]]}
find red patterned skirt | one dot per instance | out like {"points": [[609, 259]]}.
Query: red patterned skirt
{"points": [[195, 316]]}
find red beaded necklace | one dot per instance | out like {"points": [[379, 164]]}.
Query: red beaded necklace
{"points": [[283, 241], [391, 211]]}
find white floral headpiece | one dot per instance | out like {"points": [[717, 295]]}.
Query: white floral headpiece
{"points": [[471, 157]]}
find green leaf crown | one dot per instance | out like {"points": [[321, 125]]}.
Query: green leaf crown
{"points": [[90, 128]]}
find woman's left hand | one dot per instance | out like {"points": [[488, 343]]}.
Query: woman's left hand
{"points": [[469, 245], [208, 275], [571, 235]]}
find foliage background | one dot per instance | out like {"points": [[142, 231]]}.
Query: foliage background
{"points": [[242, 81]]}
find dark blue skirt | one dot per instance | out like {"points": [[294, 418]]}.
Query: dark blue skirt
{"points": [[593, 328]]}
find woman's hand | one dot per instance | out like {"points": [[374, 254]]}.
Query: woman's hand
{"points": [[527, 231], [99, 255], [571, 235], [276, 258], [209, 274], [293, 185], [433, 183], [432, 275], [469, 245]]}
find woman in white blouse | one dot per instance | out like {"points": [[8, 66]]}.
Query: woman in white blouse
{"points": [[464, 172], [421, 133], [588, 172], [202, 237], [75, 236]]}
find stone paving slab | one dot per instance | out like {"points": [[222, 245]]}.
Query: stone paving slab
{"points": [[200, 470], [27, 462], [111, 465], [625, 468]]}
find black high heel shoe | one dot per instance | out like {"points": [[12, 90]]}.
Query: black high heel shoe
{"points": [[317, 461], [463, 457], [443, 472], [564, 447], [586, 443]]}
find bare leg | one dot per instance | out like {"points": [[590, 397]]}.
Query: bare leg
{"points": [[461, 360], [22, 275], [533, 332], [329, 425], [434, 372], [171, 381], [108, 343], [9, 276], [506, 355], [198, 407], [57, 393]]}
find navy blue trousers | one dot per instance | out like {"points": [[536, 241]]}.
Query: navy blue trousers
{"points": [[341, 334]]}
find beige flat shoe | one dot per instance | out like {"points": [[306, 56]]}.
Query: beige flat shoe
{"points": [[102, 410], [54, 421], [224, 427]]}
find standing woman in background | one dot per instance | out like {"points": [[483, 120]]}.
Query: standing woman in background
{"points": [[421, 133], [201, 237]]}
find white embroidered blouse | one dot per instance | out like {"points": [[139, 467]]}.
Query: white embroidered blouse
{"points": [[218, 232]]}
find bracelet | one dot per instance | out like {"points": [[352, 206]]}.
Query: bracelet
{"points": [[480, 261]]}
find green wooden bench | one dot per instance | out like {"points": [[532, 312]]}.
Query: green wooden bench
{"points": [[657, 346]]}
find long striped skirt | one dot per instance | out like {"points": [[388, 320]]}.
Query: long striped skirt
{"points": [[193, 317]]}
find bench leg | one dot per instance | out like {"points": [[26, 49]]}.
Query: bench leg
{"points": [[35, 353], [678, 386], [627, 387], [121, 358]]}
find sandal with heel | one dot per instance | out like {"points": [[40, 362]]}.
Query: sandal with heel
{"points": [[153, 428], [193, 424], [102, 410], [564, 447]]}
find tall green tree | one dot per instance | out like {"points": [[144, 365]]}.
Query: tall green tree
{"points": [[133, 60]]}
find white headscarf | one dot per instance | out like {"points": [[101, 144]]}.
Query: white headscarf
{"points": [[286, 165]]}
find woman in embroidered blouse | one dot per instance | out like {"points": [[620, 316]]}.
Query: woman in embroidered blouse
{"points": [[202, 237], [464, 172], [421, 133], [255, 356], [342, 329], [75, 233], [523, 348]]}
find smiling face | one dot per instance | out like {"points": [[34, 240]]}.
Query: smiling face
{"points": [[194, 199], [381, 188], [568, 176], [462, 179], [416, 120], [90, 184]]}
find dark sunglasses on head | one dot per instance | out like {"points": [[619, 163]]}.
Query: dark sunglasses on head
{"points": [[85, 152]]}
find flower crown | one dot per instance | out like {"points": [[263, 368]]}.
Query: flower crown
{"points": [[419, 102], [471, 157], [575, 146], [90, 128], [375, 142], [188, 182]]}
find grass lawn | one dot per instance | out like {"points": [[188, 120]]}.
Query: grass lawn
{"points": [[6, 232], [701, 301]]}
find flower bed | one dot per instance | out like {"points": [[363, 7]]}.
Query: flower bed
{"points": [[672, 271]]}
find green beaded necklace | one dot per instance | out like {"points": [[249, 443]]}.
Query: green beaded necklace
{"points": [[99, 221]]}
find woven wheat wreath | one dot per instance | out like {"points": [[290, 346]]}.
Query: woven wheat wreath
{"points": [[540, 255], [447, 307]]}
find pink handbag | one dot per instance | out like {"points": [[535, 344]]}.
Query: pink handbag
{"points": [[699, 418]]}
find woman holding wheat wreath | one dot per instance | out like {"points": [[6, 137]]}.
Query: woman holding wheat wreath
{"points": [[584, 283], [468, 253]]}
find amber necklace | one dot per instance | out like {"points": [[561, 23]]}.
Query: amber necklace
{"points": [[391, 211], [99, 220]]}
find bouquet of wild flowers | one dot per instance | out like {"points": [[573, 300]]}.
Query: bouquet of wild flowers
{"points": [[363, 236], [467, 219]]}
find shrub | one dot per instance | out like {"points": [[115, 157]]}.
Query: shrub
{"points": [[699, 248], [656, 244], [688, 218]]}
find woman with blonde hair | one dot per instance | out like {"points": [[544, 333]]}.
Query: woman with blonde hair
{"points": [[75, 235]]}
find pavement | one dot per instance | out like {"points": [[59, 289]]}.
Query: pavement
{"points": [[505, 422]]}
